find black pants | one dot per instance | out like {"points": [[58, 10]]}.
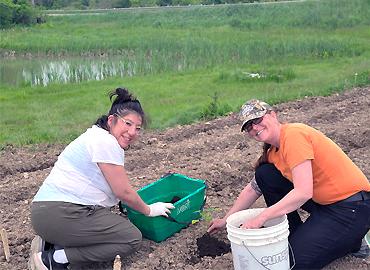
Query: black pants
{"points": [[330, 232]]}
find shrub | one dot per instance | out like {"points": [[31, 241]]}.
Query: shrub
{"points": [[121, 4], [6, 13], [214, 109], [18, 12], [164, 2], [24, 14]]}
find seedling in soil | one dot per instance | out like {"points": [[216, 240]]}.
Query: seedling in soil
{"points": [[206, 215], [210, 246]]}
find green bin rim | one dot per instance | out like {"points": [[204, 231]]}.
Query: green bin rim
{"points": [[173, 174]]}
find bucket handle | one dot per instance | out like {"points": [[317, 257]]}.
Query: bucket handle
{"points": [[290, 247]]}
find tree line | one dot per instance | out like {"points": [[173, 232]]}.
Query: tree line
{"points": [[27, 12], [103, 4]]}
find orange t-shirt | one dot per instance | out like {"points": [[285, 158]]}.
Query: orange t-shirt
{"points": [[335, 176]]}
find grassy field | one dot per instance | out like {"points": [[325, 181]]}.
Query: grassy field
{"points": [[202, 61]]}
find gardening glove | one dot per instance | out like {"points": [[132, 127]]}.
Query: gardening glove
{"points": [[160, 209]]}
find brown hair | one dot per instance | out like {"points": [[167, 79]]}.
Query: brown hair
{"points": [[263, 158]]}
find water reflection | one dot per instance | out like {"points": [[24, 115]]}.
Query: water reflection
{"points": [[64, 72], [43, 72]]}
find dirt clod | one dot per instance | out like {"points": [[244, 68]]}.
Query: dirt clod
{"points": [[211, 246]]}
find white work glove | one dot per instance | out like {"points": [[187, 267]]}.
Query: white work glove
{"points": [[160, 209]]}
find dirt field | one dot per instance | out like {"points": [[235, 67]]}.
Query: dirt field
{"points": [[214, 151]]}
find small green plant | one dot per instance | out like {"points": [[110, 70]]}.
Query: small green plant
{"points": [[214, 109], [206, 215]]}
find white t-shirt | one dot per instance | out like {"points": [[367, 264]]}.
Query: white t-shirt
{"points": [[76, 176]]}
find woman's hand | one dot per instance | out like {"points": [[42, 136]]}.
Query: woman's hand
{"points": [[254, 223], [160, 209], [245, 199], [216, 225]]}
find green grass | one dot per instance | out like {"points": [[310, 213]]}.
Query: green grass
{"points": [[199, 28], [299, 49], [59, 113]]}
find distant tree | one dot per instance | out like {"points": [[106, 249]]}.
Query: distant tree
{"points": [[164, 2], [44, 3], [6, 13], [184, 2], [18, 12], [60, 4], [85, 3], [121, 4], [24, 14], [143, 3], [213, 2]]}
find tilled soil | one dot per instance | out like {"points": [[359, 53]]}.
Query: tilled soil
{"points": [[214, 151]]}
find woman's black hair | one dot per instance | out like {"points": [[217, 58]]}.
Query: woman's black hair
{"points": [[123, 104]]}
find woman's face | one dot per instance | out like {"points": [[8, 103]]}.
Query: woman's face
{"points": [[267, 130], [125, 129]]}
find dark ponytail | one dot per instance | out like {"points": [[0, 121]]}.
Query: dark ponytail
{"points": [[263, 158], [123, 103]]}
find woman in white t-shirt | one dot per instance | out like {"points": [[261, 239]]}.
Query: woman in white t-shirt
{"points": [[71, 211]]}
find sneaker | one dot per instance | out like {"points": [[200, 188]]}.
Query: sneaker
{"points": [[44, 261], [364, 251], [37, 245]]}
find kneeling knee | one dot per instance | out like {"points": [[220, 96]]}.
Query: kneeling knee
{"points": [[136, 243], [136, 240]]}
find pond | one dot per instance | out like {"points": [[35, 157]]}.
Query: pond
{"points": [[43, 71]]}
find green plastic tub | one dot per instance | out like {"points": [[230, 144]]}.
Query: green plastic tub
{"points": [[189, 196]]}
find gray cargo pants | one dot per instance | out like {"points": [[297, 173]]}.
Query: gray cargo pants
{"points": [[87, 233]]}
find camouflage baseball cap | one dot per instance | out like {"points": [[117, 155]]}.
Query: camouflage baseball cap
{"points": [[253, 109]]}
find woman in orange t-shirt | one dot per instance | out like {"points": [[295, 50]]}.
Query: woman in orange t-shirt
{"points": [[302, 168]]}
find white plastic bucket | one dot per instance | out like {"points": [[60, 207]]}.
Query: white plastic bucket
{"points": [[263, 248]]}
